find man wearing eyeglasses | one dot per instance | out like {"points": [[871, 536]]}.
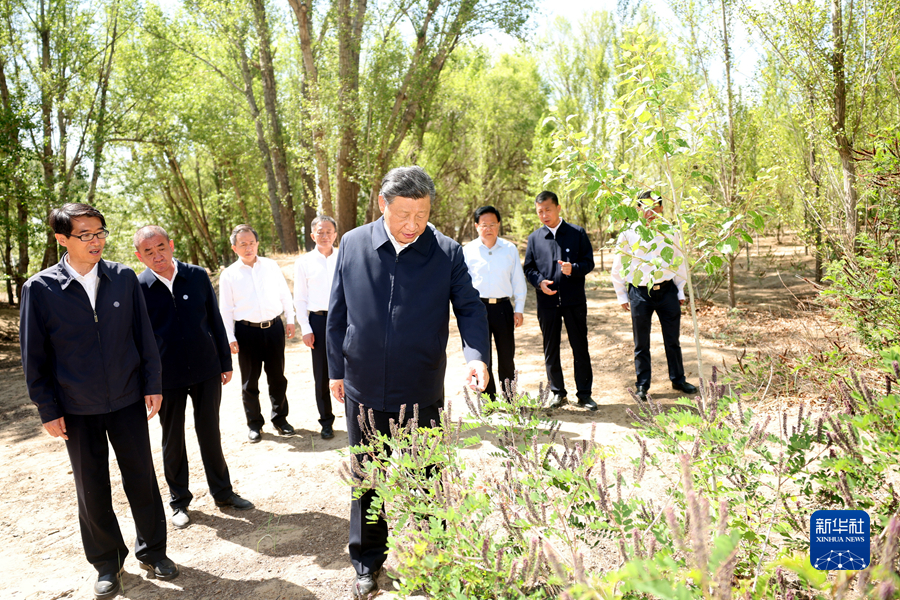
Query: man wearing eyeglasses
{"points": [[92, 366], [497, 275], [252, 296]]}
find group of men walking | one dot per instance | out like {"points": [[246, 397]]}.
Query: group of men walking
{"points": [[375, 316]]}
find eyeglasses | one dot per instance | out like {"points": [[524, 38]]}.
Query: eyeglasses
{"points": [[86, 237]]}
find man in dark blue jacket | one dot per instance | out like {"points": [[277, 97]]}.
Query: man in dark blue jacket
{"points": [[557, 258], [91, 365], [387, 331], [196, 361]]}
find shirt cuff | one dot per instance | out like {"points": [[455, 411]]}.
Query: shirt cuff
{"points": [[305, 328], [623, 298]]}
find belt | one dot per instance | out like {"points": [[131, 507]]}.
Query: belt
{"points": [[494, 300], [321, 313], [655, 287], [262, 325]]}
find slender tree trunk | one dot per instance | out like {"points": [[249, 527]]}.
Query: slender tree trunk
{"points": [[844, 146], [210, 256], [350, 22], [51, 252], [730, 186], [100, 131]]}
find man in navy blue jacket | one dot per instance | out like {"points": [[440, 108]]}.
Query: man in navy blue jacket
{"points": [[387, 331], [557, 258], [91, 366], [196, 361]]}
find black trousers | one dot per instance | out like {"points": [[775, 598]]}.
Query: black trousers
{"points": [[551, 320], [88, 445], [259, 349], [206, 397], [368, 541], [501, 324], [665, 304], [320, 369]]}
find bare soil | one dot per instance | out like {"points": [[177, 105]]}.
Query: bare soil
{"points": [[293, 545]]}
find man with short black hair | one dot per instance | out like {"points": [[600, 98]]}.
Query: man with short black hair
{"points": [[659, 290], [497, 275], [92, 366], [196, 362], [252, 296], [558, 257]]}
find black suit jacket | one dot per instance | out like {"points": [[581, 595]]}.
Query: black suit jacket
{"points": [[388, 320], [571, 244], [189, 330]]}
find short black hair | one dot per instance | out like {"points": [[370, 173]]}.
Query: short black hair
{"points": [[544, 196], [242, 228], [61, 218], [407, 182], [650, 195], [486, 210]]}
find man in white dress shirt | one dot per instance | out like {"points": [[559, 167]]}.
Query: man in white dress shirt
{"points": [[252, 296], [497, 275], [313, 275], [652, 284]]}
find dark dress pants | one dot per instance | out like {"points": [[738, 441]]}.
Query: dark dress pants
{"points": [[501, 324], [665, 304], [551, 320], [258, 349], [368, 541], [88, 445], [320, 369], [206, 397]]}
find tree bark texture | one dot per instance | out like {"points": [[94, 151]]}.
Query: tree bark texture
{"points": [[844, 145]]}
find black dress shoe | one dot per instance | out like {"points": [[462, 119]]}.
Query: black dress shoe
{"points": [[284, 429], [254, 435], [107, 586], [641, 393], [556, 400], [327, 432], [587, 403], [164, 569], [365, 584], [235, 501], [685, 387]]}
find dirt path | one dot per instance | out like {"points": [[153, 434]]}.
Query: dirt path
{"points": [[293, 545]]}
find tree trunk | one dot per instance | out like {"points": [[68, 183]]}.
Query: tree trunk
{"points": [[209, 252], [844, 146], [51, 252], [730, 186], [100, 130], [732, 301]]}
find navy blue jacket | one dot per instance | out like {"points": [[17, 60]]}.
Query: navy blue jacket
{"points": [[388, 320], [85, 361], [570, 245], [189, 330]]}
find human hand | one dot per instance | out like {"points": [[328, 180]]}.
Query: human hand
{"points": [[290, 330], [545, 287], [153, 402], [234, 347], [478, 375], [57, 428], [681, 302], [518, 319], [566, 267], [226, 376], [309, 339], [626, 306], [337, 389]]}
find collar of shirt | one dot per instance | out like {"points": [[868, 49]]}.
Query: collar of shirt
{"points": [[397, 245], [553, 229], [88, 281], [170, 283]]}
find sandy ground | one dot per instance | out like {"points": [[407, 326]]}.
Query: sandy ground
{"points": [[293, 544]]}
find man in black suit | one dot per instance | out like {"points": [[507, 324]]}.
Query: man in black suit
{"points": [[557, 258], [196, 361], [387, 331]]}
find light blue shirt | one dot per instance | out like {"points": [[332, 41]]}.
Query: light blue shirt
{"points": [[497, 272]]}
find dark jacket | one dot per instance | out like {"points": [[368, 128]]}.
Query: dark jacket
{"points": [[388, 320], [85, 361], [570, 245], [189, 330]]}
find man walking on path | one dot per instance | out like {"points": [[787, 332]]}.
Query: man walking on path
{"points": [[196, 361], [252, 296], [557, 259], [662, 293], [313, 276], [497, 275], [92, 369]]}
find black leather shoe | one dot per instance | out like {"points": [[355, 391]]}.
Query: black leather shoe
{"points": [[108, 586], [284, 429], [556, 400], [365, 584], [685, 387], [254, 435], [587, 403], [641, 393], [165, 569], [235, 501], [327, 432]]}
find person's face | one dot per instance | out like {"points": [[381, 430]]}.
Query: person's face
{"points": [[650, 213], [83, 252], [548, 212], [323, 235], [488, 228], [406, 218], [246, 246], [156, 253]]}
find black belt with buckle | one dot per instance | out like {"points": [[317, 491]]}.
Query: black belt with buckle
{"points": [[261, 325], [321, 313], [494, 300], [655, 287]]}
